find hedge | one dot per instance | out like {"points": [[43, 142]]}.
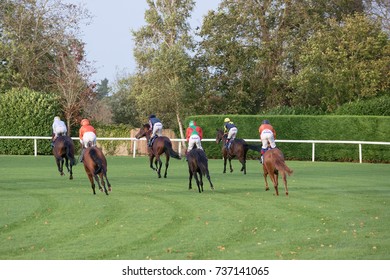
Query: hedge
{"points": [[301, 127], [24, 112]]}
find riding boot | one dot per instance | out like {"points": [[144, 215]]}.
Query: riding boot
{"points": [[227, 143], [52, 144], [262, 155]]}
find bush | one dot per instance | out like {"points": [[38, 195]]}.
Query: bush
{"points": [[24, 112], [378, 106]]}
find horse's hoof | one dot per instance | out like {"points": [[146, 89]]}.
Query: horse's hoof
{"points": [[109, 189], [266, 189]]}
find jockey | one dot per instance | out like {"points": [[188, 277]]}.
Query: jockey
{"points": [[194, 135], [87, 134], [59, 128], [267, 137], [156, 128], [231, 130]]}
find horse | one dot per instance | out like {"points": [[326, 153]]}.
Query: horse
{"points": [[161, 144], [238, 148], [64, 149], [198, 164], [273, 163], [95, 165]]}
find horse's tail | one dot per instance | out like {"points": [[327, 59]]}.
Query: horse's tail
{"points": [[172, 153], [280, 164], [98, 162], [254, 147], [70, 155], [202, 164]]}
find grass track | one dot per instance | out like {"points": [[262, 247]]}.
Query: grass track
{"points": [[334, 211]]}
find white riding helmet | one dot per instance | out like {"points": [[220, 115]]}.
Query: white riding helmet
{"points": [[57, 118]]}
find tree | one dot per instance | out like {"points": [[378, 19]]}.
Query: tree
{"points": [[161, 51], [41, 50], [123, 103], [343, 62], [102, 89]]}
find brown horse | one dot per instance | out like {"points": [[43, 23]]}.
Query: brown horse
{"points": [[95, 165], [273, 163], [64, 149], [161, 144], [198, 164], [238, 148]]}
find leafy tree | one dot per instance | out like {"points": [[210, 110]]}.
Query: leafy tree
{"points": [[161, 51], [343, 62], [123, 103], [102, 89]]}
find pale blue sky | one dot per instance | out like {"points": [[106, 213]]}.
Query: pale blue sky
{"points": [[108, 39]]}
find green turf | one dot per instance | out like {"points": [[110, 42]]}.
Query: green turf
{"points": [[334, 211]]}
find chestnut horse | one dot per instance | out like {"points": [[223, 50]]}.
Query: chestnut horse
{"points": [[238, 148], [64, 150], [273, 163], [161, 145], [198, 164], [95, 165]]}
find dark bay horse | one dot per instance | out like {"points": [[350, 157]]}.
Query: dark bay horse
{"points": [[161, 145], [198, 164], [238, 148], [273, 163], [95, 165], [64, 150]]}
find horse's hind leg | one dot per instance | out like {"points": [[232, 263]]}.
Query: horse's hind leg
{"points": [[224, 164], [265, 179], [230, 164], [103, 183], [208, 178], [108, 183], [159, 164], [197, 181], [243, 163], [190, 180], [71, 172], [60, 164], [98, 182], [285, 182], [166, 165], [274, 177], [90, 177]]}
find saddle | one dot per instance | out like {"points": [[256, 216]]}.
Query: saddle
{"points": [[151, 141]]}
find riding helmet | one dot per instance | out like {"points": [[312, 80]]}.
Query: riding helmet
{"points": [[265, 122], [152, 116], [226, 120], [191, 123], [84, 122], [57, 118]]}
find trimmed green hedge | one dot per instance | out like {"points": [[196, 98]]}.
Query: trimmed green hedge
{"points": [[301, 127], [24, 112]]}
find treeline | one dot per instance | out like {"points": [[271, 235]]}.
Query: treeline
{"points": [[256, 57], [247, 57]]}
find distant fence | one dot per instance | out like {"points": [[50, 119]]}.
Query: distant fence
{"points": [[135, 142]]}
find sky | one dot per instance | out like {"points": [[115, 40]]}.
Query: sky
{"points": [[109, 43]]}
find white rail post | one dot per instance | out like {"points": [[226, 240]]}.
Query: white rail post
{"points": [[35, 147], [134, 148], [360, 154], [313, 149]]}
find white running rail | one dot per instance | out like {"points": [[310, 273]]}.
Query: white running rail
{"points": [[312, 142]]}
